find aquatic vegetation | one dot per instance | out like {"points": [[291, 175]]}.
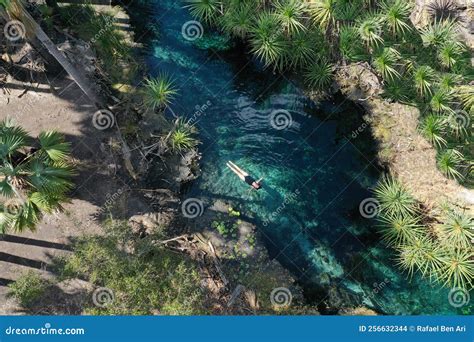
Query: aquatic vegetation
{"points": [[35, 174], [158, 92]]}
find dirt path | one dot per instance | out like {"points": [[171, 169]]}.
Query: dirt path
{"points": [[64, 107]]}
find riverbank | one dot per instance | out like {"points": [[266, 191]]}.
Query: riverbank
{"points": [[112, 184]]}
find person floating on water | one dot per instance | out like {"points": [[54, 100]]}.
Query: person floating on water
{"points": [[255, 184]]}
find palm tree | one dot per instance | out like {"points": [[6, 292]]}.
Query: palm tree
{"points": [[397, 15], [458, 267], [322, 12], [349, 44], [449, 53], [438, 33], [34, 178], [182, 137], [394, 199], [290, 13], [458, 229], [385, 64], [433, 129], [442, 101], [205, 10], [370, 30], [466, 95], [449, 161], [447, 82], [159, 92], [302, 51], [238, 20], [400, 229], [319, 74], [423, 77], [266, 41]]}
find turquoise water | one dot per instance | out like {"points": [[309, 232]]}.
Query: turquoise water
{"points": [[315, 174]]}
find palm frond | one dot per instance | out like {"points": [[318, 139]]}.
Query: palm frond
{"points": [[52, 144]]}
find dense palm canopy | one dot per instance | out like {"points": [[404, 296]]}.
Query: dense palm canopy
{"points": [[35, 176]]}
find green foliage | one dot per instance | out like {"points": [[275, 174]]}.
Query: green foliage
{"points": [[349, 44], [205, 10], [458, 229], [386, 63], [267, 41], [370, 30], [398, 229], [238, 20], [159, 92], [290, 14], [319, 74], [394, 198], [433, 129], [322, 12], [397, 15], [182, 137], [28, 288], [449, 162], [423, 77], [35, 176], [144, 278]]}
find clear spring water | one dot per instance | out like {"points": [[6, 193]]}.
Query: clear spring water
{"points": [[315, 177]]}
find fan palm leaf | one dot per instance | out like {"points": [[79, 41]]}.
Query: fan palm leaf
{"points": [[433, 128], [458, 229], [394, 199], [397, 15], [53, 145]]}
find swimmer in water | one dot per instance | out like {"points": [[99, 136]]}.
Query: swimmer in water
{"points": [[255, 184]]}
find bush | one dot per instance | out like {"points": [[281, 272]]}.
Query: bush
{"points": [[28, 289], [144, 279]]}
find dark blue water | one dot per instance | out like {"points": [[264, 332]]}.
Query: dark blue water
{"points": [[315, 177]]}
